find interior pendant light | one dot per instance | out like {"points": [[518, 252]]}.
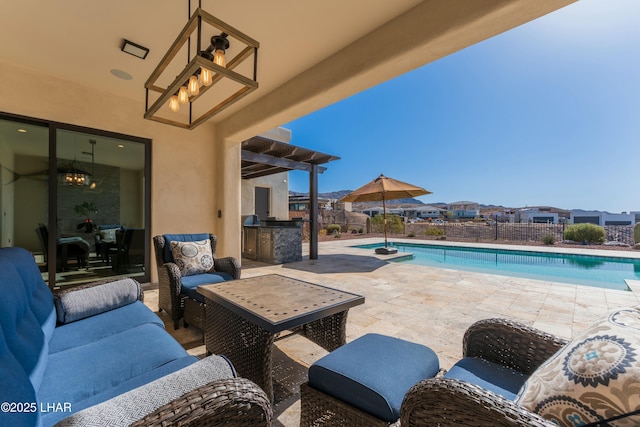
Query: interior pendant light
{"points": [[174, 104], [206, 77], [193, 88], [183, 95]]}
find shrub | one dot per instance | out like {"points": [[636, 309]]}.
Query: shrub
{"points": [[360, 230], [332, 228], [636, 233], [322, 232], [433, 231], [549, 239], [585, 233], [394, 224], [411, 234], [337, 234]]}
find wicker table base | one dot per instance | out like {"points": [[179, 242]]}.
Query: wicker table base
{"points": [[244, 316], [249, 347]]}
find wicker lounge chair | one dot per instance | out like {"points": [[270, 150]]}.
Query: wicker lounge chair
{"points": [[448, 401], [177, 295]]}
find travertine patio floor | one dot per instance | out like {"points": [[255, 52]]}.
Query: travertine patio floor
{"points": [[428, 305]]}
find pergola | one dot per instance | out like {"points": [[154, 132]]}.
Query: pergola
{"points": [[263, 156]]}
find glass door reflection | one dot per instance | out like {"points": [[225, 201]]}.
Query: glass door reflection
{"points": [[100, 207]]}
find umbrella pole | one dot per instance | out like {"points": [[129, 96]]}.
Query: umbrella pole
{"points": [[384, 214]]}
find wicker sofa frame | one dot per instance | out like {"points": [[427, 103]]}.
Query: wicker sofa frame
{"points": [[238, 402], [170, 299], [450, 402]]}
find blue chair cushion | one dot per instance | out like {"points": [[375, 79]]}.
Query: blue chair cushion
{"points": [[373, 373], [488, 375], [191, 283], [168, 238]]}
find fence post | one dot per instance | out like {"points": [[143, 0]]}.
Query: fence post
{"points": [[496, 230]]}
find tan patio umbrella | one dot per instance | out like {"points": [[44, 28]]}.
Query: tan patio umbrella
{"points": [[384, 188]]}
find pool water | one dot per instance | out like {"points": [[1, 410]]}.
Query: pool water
{"points": [[599, 271]]}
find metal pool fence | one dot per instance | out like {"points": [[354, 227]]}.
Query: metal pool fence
{"points": [[510, 232]]}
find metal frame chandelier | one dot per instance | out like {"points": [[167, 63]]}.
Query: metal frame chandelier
{"points": [[205, 68]]}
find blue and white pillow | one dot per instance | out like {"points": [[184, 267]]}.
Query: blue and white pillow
{"points": [[193, 257], [594, 377]]}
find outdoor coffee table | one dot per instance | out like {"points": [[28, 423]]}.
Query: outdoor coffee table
{"points": [[244, 316]]}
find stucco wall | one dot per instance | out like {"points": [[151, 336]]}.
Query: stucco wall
{"points": [[279, 186], [192, 174]]}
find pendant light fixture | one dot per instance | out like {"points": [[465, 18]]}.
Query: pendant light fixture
{"points": [[205, 67]]}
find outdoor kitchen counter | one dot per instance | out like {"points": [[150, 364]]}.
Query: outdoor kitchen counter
{"points": [[277, 242]]}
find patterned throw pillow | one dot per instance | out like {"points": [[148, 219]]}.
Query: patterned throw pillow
{"points": [[594, 377], [192, 257], [109, 235]]}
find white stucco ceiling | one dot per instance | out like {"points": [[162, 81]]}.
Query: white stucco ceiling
{"points": [[79, 40]]}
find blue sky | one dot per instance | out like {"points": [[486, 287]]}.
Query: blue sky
{"points": [[545, 114]]}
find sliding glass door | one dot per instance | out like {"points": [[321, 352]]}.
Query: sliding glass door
{"points": [[24, 188], [78, 199]]}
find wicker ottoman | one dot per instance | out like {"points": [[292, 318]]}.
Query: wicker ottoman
{"points": [[363, 382]]}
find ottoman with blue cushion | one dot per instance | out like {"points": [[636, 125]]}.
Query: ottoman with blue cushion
{"points": [[363, 382]]}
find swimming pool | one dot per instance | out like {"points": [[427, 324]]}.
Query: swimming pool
{"points": [[599, 271]]}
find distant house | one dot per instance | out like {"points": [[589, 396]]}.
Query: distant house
{"points": [[580, 216], [373, 211], [505, 216], [536, 216], [379, 210], [302, 203], [428, 212], [464, 210]]}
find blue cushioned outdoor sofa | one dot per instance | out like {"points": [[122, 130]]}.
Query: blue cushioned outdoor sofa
{"points": [[97, 353]]}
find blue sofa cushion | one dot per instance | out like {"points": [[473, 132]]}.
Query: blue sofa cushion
{"points": [[488, 375], [51, 418], [81, 303], [373, 373], [80, 372], [22, 331], [168, 238], [127, 408], [15, 387], [190, 283], [102, 325]]}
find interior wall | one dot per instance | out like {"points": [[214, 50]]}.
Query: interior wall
{"points": [[31, 209], [185, 178], [7, 192], [131, 199]]}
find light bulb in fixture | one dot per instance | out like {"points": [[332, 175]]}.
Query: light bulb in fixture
{"points": [[218, 58], [183, 95], [219, 44], [174, 104], [194, 88], [206, 77]]}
